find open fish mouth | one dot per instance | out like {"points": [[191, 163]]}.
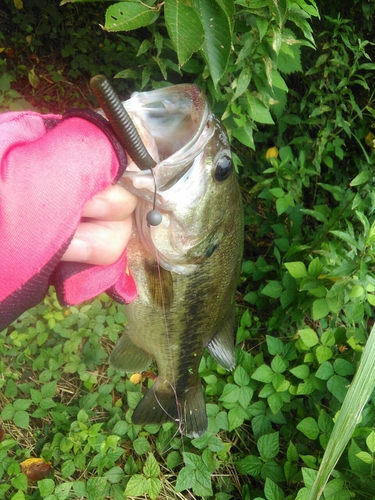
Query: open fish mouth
{"points": [[175, 124]]}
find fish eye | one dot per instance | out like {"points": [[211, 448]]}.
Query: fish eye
{"points": [[223, 168]]}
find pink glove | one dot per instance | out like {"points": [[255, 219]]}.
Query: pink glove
{"points": [[49, 167]]}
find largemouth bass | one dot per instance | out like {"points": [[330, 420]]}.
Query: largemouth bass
{"points": [[186, 268]]}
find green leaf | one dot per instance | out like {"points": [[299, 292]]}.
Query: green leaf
{"points": [[309, 427], [20, 482], [240, 376], [308, 337], [141, 445], [250, 465], [268, 445], [301, 371], [184, 28], [153, 487], [151, 467], [272, 491], [96, 487], [361, 178], [296, 269], [365, 457], [370, 441], [185, 479], [236, 417], [127, 16], [263, 374], [217, 36], [320, 309], [67, 468], [273, 289], [46, 487], [136, 486], [258, 111], [22, 404], [21, 419]]}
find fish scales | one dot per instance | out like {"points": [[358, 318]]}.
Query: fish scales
{"points": [[186, 269]]}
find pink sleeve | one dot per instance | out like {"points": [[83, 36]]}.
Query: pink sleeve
{"points": [[49, 167]]}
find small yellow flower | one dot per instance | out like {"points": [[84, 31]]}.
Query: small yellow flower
{"points": [[136, 378], [272, 152]]}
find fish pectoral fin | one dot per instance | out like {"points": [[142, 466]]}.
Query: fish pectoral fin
{"points": [[221, 346], [162, 404], [127, 357]]}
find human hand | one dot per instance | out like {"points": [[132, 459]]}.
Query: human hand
{"points": [[102, 239]]}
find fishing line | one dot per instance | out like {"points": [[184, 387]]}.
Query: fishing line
{"points": [[173, 385]]}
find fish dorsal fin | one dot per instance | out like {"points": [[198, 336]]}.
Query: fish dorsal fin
{"points": [[127, 357], [159, 405], [160, 284], [221, 346]]}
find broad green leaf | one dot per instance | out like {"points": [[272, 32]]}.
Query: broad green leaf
{"points": [[250, 465], [184, 28], [185, 479], [263, 374], [320, 309], [258, 111], [151, 467], [136, 486], [141, 445], [21, 419], [301, 371], [365, 457], [296, 269], [217, 36], [127, 16], [272, 491], [46, 487], [268, 445], [114, 475], [96, 487], [308, 337], [273, 289], [309, 427]]}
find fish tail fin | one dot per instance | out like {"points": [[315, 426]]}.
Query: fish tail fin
{"points": [[127, 357], [162, 404]]}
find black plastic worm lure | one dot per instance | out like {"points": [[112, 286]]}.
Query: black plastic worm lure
{"points": [[126, 133], [120, 122]]}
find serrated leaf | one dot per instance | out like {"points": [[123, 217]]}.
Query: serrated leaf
{"points": [[127, 16], [141, 445], [21, 419], [268, 445], [136, 486], [184, 28], [217, 36], [151, 467], [250, 465], [153, 487], [272, 491], [185, 479]]}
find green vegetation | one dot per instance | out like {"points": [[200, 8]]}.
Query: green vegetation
{"points": [[294, 84]]}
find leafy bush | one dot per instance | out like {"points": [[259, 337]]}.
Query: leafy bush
{"points": [[300, 112]]}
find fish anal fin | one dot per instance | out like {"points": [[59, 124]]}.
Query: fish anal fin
{"points": [[161, 404], [127, 357], [160, 284], [221, 346]]}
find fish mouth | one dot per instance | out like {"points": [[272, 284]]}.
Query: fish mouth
{"points": [[175, 124]]}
